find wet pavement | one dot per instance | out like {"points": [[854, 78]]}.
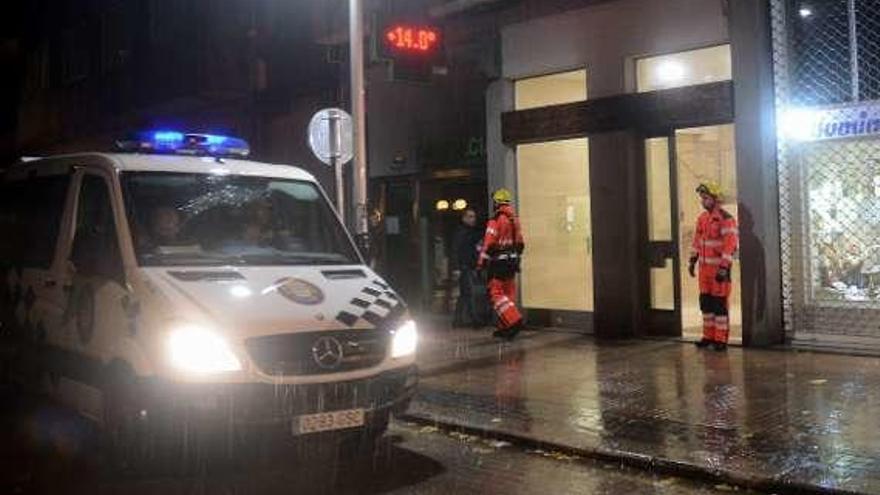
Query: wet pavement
{"points": [[783, 416], [47, 450]]}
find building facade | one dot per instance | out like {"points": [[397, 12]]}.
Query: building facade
{"points": [[604, 120]]}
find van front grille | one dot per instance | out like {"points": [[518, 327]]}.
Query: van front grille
{"points": [[315, 353]]}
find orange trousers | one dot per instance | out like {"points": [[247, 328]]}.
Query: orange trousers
{"points": [[716, 318], [502, 293]]}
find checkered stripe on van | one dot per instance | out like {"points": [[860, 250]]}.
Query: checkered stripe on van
{"points": [[376, 304]]}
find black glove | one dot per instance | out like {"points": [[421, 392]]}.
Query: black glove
{"points": [[692, 267], [723, 275]]}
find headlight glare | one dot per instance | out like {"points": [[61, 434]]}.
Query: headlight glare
{"points": [[405, 340], [197, 349]]}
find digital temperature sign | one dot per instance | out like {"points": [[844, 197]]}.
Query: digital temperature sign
{"points": [[409, 39]]}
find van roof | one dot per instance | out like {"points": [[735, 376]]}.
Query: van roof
{"points": [[171, 163]]}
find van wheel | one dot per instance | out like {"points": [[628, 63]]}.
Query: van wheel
{"points": [[141, 440], [127, 431]]}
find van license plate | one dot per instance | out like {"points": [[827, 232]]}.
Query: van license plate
{"points": [[336, 420]]}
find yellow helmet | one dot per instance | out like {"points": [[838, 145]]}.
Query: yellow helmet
{"points": [[502, 196], [711, 188]]}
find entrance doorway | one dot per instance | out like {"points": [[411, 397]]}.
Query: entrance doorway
{"points": [[675, 164], [554, 207]]}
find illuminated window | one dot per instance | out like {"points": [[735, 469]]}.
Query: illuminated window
{"points": [[553, 89], [688, 68]]}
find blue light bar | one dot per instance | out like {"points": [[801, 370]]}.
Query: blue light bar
{"points": [[174, 142], [168, 136]]}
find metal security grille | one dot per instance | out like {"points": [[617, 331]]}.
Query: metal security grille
{"points": [[827, 56], [820, 52], [834, 50], [867, 21]]}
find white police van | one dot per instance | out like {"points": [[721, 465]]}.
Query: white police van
{"points": [[175, 284]]}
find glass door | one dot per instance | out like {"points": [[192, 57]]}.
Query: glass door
{"points": [[554, 207], [662, 261], [704, 154], [674, 166]]}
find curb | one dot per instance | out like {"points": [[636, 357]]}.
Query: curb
{"points": [[529, 342], [637, 461]]}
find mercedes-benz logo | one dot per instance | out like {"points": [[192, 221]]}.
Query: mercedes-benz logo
{"points": [[327, 353]]}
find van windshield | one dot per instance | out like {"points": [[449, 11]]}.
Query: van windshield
{"points": [[206, 219]]}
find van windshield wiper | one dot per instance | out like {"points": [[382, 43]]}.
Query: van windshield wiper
{"points": [[297, 258], [185, 259]]}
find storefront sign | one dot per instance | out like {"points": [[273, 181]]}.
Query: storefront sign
{"points": [[833, 123]]}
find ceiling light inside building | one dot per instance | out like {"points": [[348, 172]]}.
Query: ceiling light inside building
{"points": [[459, 204], [670, 72], [798, 124], [442, 205], [805, 12]]}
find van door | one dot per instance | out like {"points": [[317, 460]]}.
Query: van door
{"points": [[38, 291], [100, 295]]}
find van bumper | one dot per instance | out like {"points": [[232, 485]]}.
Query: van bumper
{"points": [[266, 404]]}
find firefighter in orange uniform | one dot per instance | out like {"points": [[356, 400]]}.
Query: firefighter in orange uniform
{"points": [[500, 256], [715, 243]]}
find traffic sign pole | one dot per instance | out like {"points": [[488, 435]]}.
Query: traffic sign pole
{"points": [[333, 133], [330, 138]]}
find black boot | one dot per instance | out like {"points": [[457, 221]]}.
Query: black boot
{"points": [[719, 346], [703, 343], [514, 331]]}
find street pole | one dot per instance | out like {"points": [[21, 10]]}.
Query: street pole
{"points": [[359, 123], [333, 137]]}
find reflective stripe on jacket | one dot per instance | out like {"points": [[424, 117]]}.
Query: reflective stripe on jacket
{"points": [[503, 240], [716, 238]]}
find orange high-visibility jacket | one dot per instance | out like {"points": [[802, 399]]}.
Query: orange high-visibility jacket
{"points": [[716, 239], [503, 241]]}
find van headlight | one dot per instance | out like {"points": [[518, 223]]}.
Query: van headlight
{"points": [[404, 340], [198, 349]]}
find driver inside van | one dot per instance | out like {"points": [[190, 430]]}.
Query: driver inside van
{"points": [[164, 230], [258, 230], [164, 226]]}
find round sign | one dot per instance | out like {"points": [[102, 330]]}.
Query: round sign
{"points": [[300, 291], [330, 136]]}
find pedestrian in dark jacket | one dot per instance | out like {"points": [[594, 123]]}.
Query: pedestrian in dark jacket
{"points": [[466, 245]]}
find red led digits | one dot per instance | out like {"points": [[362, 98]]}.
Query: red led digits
{"points": [[411, 39]]}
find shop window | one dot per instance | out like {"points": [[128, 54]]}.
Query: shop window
{"points": [[688, 68], [75, 56], [552, 89], [843, 204]]}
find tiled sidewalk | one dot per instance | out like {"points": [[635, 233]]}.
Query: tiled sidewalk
{"points": [[768, 416]]}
